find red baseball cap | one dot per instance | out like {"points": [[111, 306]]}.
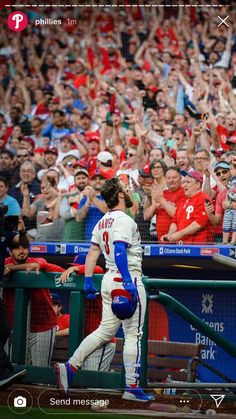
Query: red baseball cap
{"points": [[55, 100], [39, 150], [67, 137], [93, 136], [193, 174], [28, 140], [52, 150], [80, 163], [134, 141], [117, 112], [122, 78], [145, 171], [97, 173], [152, 88]]}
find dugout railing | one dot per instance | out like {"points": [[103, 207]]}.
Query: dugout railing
{"points": [[22, 283]]}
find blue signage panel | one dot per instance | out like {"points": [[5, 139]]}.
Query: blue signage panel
{"points": [[149, 250], [217, 309]]}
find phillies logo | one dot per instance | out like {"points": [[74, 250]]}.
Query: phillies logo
{"points": [[189, 211], [17, 21], [116, 299]]}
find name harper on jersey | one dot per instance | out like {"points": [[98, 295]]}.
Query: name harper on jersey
{"points": [[105, 223]]}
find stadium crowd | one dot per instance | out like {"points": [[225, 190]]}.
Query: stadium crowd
{"points": [[146, 94]]}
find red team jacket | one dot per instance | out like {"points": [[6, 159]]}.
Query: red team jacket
{"points": [[43, 316]]}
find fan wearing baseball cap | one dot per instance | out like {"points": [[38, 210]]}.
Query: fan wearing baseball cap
{"points": [[92, 206], [104, 164], [190, 223], [50, 157], [74, 231], [92, 143], [165, 201]]}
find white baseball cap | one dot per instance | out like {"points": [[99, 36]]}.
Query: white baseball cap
{"points": [[104, 156]]}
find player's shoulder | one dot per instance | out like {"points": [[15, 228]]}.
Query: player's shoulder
{"points": [[122, 217], [36, 260]]}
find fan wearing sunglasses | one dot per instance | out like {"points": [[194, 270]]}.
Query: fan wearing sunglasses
{"points": [[229, 221], [216, 214]]}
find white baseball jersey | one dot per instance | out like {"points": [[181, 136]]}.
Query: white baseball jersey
{"points": [[116, 226]]}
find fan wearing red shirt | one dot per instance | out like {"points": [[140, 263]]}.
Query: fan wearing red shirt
{"points": [[93, 142], [165, 202], [227, 133], [191, 223], [43, 319]]}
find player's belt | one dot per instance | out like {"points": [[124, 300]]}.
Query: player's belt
{"points": [[117, 279], [112, 271]]}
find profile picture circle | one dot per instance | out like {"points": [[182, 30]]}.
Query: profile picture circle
{"points": [[17, 21]]}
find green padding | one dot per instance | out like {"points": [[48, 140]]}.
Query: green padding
{"points": [[83, 378]]}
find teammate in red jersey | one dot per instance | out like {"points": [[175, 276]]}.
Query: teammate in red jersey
{"points": [[43, 319]]}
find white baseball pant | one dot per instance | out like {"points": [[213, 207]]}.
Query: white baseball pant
{"points": [[110, 324], [100, 360], [41, 346]]}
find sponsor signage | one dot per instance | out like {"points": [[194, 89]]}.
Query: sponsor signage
{"points": [[60, 248], [209, 251], [38, 248]]}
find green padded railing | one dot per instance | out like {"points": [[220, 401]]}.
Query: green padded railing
{"points": [[22, 283]]}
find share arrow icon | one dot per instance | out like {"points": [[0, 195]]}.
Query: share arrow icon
{"points": [[218, 399]]}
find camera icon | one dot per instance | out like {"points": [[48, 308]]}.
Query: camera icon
{"points": [[20, 401]]}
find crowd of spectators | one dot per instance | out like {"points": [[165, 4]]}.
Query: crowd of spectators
{"points": [[146, 94]]}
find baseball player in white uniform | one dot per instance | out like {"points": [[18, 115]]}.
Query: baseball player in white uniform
{"points": [[117, 236]]}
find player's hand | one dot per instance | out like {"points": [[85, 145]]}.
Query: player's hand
{"points": [[147, 190], [196, 131], [33, 266], [131, 288], [89, 290], [226, 204], [24, 190], [7, 270], [66, 274], [164, 238], [209, 207], [169, 160], [116, 123], [174, 237]]}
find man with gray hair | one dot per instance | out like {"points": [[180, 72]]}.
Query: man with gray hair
{"points": [[27, 176]]}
